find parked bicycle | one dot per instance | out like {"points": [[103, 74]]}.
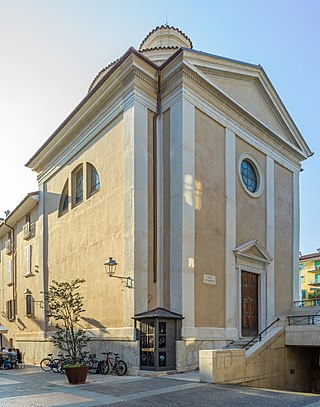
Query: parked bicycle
{"points": [[114, 364], [87, 359], [91, 361], [50, 364]]}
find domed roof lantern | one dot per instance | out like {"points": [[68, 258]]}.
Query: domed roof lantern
{"points": [[157, 46], [165, 37]]}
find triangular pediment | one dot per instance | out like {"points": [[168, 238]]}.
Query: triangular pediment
{"points": [[253, 250], [249, 92]]}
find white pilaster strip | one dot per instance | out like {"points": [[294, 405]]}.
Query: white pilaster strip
{"points": [[140, 207], [43, 255], [296, 236], [176, 197], [159, 138], [270, 238], [232, 299], [188, 213], [129, 196]]}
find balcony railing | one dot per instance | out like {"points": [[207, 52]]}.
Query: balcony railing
{"points": [[307, 303], [304, 320]]}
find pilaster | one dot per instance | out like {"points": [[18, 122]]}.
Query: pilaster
{"points": [[296, 236], [270, 227], [230, 267]]}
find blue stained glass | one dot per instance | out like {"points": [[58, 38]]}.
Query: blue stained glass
{"points": [[249, 176]]}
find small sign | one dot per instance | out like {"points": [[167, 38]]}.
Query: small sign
{"points": [[209, 279]]}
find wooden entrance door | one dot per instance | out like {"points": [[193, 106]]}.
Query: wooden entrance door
{"points": [[249, 303]]}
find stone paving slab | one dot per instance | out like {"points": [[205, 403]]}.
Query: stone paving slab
{"points": [[31, 387]]}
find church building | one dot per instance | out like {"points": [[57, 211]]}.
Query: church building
{"points": [[173, 190]]}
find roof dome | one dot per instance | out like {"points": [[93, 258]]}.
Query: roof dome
{"points": [[162, 42], [165, 37], [158, 46]]}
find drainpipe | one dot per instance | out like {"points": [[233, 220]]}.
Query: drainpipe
{"points": [[13, 270], [155, 179]]}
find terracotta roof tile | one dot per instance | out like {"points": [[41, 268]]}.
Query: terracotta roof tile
{"points": [[163, 27]]}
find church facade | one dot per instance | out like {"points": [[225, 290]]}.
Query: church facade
{"points": [[183, 167]]}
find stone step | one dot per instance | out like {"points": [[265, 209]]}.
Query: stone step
{"points": [[240, 343]]}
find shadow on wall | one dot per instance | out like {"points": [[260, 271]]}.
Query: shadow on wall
{"points": [[93, 322]]}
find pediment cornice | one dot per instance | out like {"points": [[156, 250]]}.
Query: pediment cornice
{"points": [[253, 250], [187, 73]]}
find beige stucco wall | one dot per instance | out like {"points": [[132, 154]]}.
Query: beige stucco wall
{"points": [[283, 190], [82, 239], [23, 326], [209, 221], [251, 212]]}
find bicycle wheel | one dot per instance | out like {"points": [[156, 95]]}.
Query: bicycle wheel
{"points": [[103, 367], [93, 366], [46, 364], [121, 368], [55, 365], [60, 368]]}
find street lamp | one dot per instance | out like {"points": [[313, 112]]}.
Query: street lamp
{"points": [[30, 300], [111, 266]]}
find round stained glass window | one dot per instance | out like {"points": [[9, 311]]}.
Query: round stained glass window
{"points": [[249, 176]]}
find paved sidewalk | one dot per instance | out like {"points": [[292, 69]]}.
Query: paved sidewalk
{"points": [[30, 387]]}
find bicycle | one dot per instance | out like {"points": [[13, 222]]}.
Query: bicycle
{"points": [[91, 361], [116, 364], [50, 364]]}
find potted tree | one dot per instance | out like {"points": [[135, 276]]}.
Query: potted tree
{"points": [[65, 305]]}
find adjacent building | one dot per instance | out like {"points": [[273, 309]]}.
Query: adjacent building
{"points": [[309, 269], [183, 167]]}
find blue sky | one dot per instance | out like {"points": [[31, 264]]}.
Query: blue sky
{"points": [[51, 50]]}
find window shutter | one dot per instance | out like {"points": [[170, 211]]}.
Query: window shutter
{"points": [[10, 310], [9, 272], [27, 260]]}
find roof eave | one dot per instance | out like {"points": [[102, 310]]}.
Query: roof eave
{"points": [[130, 51]]}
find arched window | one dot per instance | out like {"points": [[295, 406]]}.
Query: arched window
{"points": [[93, 180], [64, 200], [77, 185]]}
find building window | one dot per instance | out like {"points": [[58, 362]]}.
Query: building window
{"points": [[9, 281], [77, 189], [64, 200], [304, 294], [27, 261], [302, 279], [29, 304], [93, 180], [250, 175], [10, 310]]}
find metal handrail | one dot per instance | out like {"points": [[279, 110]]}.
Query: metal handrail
{"points": [[260, 334]]}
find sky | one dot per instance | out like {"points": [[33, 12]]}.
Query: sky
{"points": [[50, 51]]}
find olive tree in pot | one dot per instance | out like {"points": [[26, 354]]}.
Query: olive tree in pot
{"points": [[65, 305]]}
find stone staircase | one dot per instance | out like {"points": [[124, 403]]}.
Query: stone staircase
{"points": [[240, 343]]}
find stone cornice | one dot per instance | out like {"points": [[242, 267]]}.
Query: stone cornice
{"points": [[187, 74], [110, 96], [254, 78]]}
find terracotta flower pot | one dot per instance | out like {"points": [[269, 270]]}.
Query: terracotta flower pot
{"points": [[76, 375]]}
